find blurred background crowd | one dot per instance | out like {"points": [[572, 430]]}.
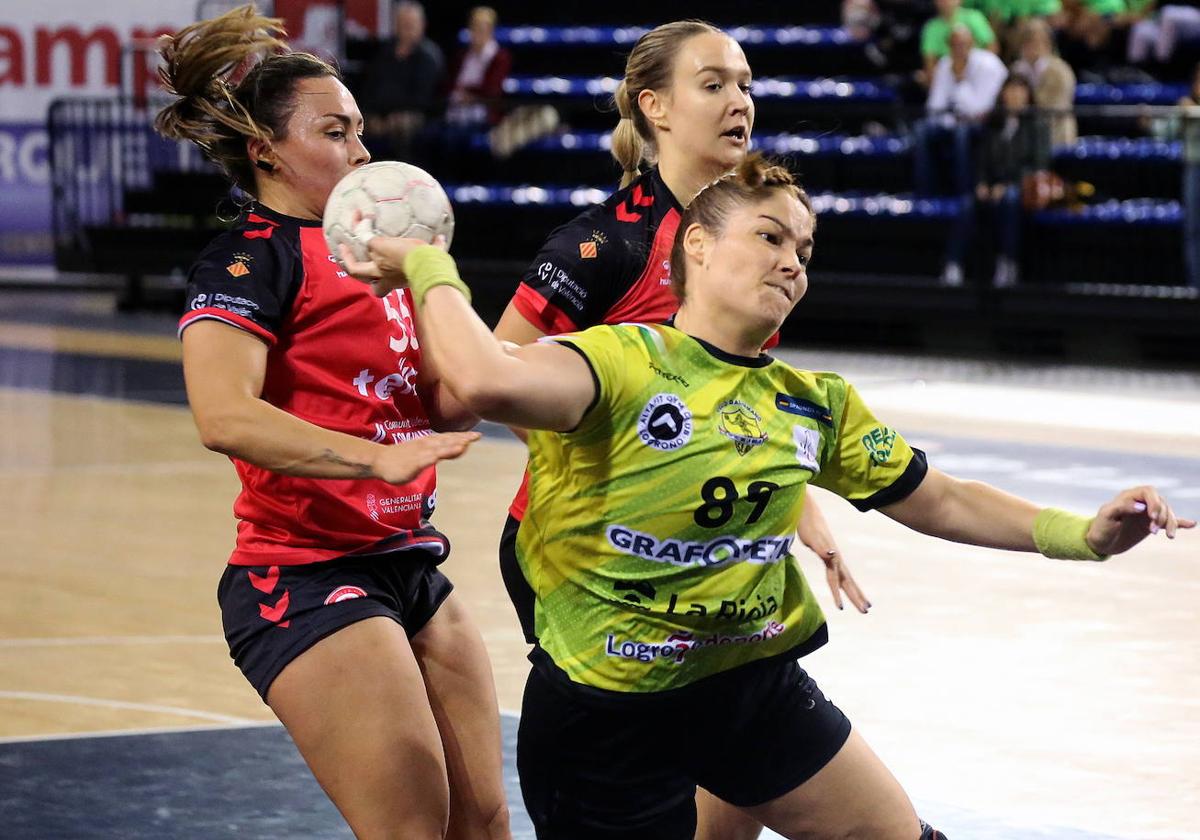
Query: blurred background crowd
{"points": [[1017, 167]]}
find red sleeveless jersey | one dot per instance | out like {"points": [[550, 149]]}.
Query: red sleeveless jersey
{"points": [[339, 358]]}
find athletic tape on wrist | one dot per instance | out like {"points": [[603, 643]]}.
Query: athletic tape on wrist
{"points": [[430, 266], [1062, 535]]}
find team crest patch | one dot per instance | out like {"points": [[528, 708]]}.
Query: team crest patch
{"points": [[240, 266], [665, 423], [345, 593], [741, 424], [879, 442], [587, 250]]}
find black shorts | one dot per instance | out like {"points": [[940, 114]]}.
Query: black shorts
{"points": [[601, 770], [272, 614]]}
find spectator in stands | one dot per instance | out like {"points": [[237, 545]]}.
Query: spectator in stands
{"points": [[401, 86], [475, 98], [1006, 17], [1161, 32], [966, 82], [1051, 79], [965, 86], [935, 35], [888, 31], [1016, 143], [478, 73], [860, 18]]}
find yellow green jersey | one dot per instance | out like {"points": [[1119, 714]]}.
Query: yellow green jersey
{"points": [[659, 533]]}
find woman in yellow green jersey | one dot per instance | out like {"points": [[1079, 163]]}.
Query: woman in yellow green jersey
{"points": [[668, 465]]}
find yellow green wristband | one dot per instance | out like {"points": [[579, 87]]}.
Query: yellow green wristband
{"points": [[1062, 535], [430, 266]]}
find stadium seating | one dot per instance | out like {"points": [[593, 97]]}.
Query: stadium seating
{"points": [[844, 125]]}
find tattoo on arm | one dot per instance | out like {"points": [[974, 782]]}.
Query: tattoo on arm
{"points": [[361, 470]]}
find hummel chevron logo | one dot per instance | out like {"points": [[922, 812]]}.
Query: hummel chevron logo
{"points": [[273, 614], [265, 583]]}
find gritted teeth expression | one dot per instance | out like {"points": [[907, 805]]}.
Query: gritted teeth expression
{"points": [[760, 261]]}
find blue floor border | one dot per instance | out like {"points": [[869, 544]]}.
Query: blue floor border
{"points": [[215, 784]]}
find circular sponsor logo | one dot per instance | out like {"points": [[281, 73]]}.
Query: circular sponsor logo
{"points": [[665, 423], [345, 593]]}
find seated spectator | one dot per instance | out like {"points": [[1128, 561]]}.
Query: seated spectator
{"points": [[860, 18], [963, 92], [1159, 33], [1016, 144], [935, 35], [1006, 17], [966, 82], [1051, 79], [478, 74], [401, 85]]}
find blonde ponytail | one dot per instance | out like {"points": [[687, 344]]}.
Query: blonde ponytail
{"points": [[648, 67], [628, 147]]}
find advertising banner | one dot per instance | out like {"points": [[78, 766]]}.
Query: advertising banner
{"points": [[60, 48]]}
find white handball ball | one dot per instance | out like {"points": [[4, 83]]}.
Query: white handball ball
{"points": [[394, 198]]}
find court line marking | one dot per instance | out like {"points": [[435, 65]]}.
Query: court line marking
{"points": [[151, 730], [72, 641], [165, 730], [155, 708], [1063, 409], [47, 338], [970, 553], [158, 468]]}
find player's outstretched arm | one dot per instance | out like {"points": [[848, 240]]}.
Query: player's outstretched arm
{"points": [[224, 369], [539, 386], [978, 514]]}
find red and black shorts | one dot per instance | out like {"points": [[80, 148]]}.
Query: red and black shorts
{"points": [[272, 614]]}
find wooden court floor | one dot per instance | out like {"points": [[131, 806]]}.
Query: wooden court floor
{"points": [[1044, 693]]}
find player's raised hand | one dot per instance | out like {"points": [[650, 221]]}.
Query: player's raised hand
{"points": [[402, 462], [1131, 517]]}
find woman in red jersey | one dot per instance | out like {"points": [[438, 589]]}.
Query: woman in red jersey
{"points": [[686, 115], [332, 602]]}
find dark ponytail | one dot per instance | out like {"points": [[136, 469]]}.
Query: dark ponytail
{"points": [[235, 78]]}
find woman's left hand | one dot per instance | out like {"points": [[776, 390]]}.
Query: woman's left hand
{"points": [[1129, 518], [814, 532]]}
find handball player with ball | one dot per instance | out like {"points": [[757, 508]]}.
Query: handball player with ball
{"points": [[332, 601]]}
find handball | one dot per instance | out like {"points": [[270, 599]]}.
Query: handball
{"points": [[391, 199]]}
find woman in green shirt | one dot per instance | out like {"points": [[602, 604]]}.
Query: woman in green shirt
{"points": [[668, 464]]}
